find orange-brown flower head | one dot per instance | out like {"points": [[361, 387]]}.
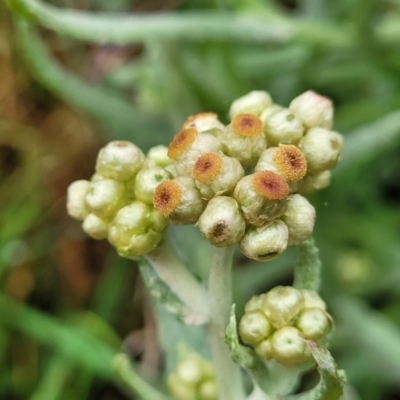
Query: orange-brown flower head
{"points": [[167, 197], [181, 142], [291, 162], [270, 185], [247, 125], [207, 167]]}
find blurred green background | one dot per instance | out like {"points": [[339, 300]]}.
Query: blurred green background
{"points": [[68, 303]]}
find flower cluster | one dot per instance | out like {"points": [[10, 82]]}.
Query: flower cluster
{"points": [[274, 322], [193, 378], [244, 183], [117, 203]]}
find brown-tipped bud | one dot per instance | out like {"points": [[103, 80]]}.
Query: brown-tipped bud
{"points": [[282, 127], [314, 323], [216, 174], [179, 200], [207, 122], [314, 183], [261, 196], [265, 242], [251, 103], [291, 162], [188, 145], [321, 148], [222, 222], [254, 327], [244, 139], [313, 110], [299, 218]]}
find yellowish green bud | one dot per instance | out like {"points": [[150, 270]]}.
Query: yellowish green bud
{"points": [[261, 196], [312, 299], [288, 347], [254, 327], [179, 200], [95, 227], [159, 156], [251, 103], [265, 242], [321, 148], [313, 110], [146, 182], [76, 194], [282, 127], [119, 160], [254, 304], [222, 222], [313, 183], [208, 390], [314, 323], [96, 177], [216, 174], [264, 349], [190, 370], [187, 146], [207, 122], [179, 389], [105, 197], [159, 222], [281, 305], [299, 217], [269, 111]]}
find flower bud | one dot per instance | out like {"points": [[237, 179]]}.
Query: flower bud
{"points": [[146, 182], [299, 217], [321, 148], [261, 196], [313, 110], [119, 160], [264, 350], [105, 197], [208, 390], [244, 139], [282, 127], [312, 299], [159, 156], [179, 200], [251, 103], [288, 347], [314, 323], [95, 227], [190, 370], [76, 193], [207, 122], [265, 242], [314, 183], [254, 304], [222, 222], [179, 389], [216, 174], [281, 305], [158, 221], [254, 327], [188, 145], [269, 111]]}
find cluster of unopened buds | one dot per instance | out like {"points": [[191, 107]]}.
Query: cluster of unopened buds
{"points": [[276, 323], [243, 183]]}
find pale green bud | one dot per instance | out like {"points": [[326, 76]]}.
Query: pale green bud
{"points": [[208, 390], [187, 146], [179, 389], [95, 227], [288, 347], [321, 148], [251, 103], [190, 371], [179, 200], [282, 127], [254, 304], [216, 174], [76, 194], [105, 197], [141, 244], [269, 111], [244, 139], [97, 177], [254, 327], [299, 217], [207, 122], [119, 160], [264, 349], [158, 221], [265, 242], [312, 299], [281, 305], [314, 323], [146, 182], [159, 156], [313, 183], [313, 110], [222, 223]]}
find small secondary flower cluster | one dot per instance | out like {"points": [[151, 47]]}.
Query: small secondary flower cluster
{"points": [[288, 151], [273, 322], [193, 378]]}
